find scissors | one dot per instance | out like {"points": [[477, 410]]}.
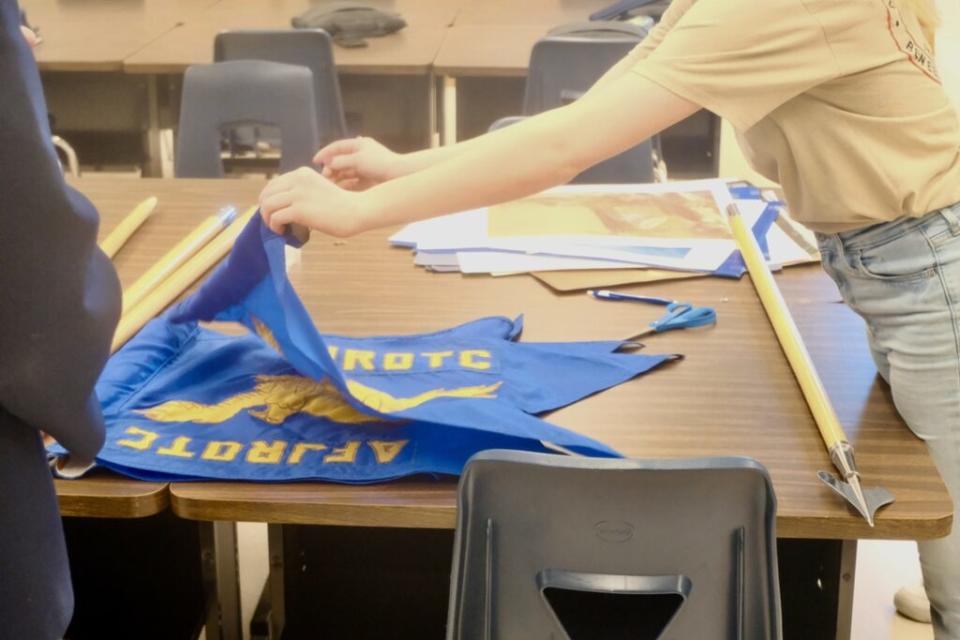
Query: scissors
{"points": [[679, 315]]}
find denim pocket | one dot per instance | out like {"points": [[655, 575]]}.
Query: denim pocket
{"points": [[903, 258], [946, 228]]}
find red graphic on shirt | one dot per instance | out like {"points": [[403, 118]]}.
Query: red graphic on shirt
{"points": [[917, 50]]}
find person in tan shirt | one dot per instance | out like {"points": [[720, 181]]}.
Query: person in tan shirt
{"points": [[838, 101]]}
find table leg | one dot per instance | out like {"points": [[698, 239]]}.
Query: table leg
{"points": [[848, 569], [432, 124], [276, 580], [153, 168], [816, 587], [269, 619], [218, 549], [449, 110]]}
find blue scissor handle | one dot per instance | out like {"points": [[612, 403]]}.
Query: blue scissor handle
{"points": [[681, 315]]}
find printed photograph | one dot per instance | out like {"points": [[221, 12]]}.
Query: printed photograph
{"points": [[692, 214]]}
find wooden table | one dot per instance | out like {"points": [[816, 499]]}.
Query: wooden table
{"points": [[529, 12], [490, 42], [487, 50], [104, 495], [408, 52], [97, 35], [405, 57], [493, 38], [733, 394]]}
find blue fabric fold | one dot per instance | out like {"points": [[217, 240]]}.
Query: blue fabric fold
{"points": [[287, 403]]}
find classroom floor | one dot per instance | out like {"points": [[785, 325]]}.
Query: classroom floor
{"points": [[882, 566]]}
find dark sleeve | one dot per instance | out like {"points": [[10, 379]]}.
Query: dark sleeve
{"points": [[60, 295]]}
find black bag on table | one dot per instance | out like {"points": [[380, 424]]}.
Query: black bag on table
{"points": [[349, 23]]}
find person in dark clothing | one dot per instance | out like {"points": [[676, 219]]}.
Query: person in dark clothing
{"points": [[59, 304]]}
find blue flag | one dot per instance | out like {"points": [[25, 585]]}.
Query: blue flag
{"points": [[286, 403]]}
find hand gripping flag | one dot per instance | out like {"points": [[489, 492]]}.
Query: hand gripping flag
{"points": [[287, 403]]}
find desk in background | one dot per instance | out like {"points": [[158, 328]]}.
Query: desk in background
{"points": [[387, 87], [81, 59], [113, 68], [97, 35], [493, 39], [733, 394], [482, 67]]}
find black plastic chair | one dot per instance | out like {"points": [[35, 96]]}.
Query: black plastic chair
{"points": [[563, 66], [550, 546], [311, 48], [223, 95]]}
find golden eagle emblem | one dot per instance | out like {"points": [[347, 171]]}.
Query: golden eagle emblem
{"points": [[279, 396], [276, 398]]}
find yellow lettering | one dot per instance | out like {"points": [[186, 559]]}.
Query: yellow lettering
{"points": [[221, 451], [178, 449], [353, 357], [347, 453], [397, 361], [301, 448], [386, 450], [262, 452], [469, 359], [148, 438], [436, 358], [333, 351]]}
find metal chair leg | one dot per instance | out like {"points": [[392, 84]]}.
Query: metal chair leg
{"points": [[73, 165], [221, 579]]}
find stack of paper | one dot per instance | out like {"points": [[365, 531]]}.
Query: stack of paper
{"points": [[658, 228]]}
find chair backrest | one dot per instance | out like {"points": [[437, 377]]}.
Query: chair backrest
{"points": [[311, 48], [244, 92], [567, 62], [560, 547]]}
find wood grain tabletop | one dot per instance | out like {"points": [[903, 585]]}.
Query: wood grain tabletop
{"points": [[732, 394], [407, 52], [97, 35]]}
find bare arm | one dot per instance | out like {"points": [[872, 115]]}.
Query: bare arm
{"points": [[540, 152], [358, 163]]}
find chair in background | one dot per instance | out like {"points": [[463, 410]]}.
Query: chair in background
{"points": [[219, 96], [567, 62], [550, 546], [311, 48]]}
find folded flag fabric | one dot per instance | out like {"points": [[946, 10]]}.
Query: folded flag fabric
{"points": [[288, 403]]}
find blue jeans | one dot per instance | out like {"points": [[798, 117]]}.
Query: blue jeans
{"points": [[903, 279]]}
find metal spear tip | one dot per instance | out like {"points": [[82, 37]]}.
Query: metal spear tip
{"points": [[861, 501], [866, 501]]}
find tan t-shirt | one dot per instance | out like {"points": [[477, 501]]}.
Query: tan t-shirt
{"points": [[837, 100]]}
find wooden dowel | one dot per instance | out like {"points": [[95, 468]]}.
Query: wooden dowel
{"points": [[128, 226], [176, 257], [178, 282], [787, 333]]}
